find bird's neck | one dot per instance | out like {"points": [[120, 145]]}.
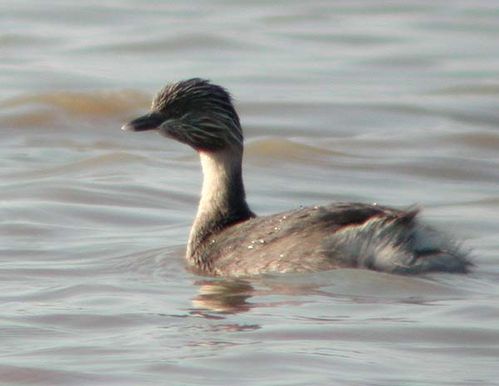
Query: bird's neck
{"points": [[223, 200]]}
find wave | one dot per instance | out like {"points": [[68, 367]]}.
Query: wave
{"points": [[175, 43], [53, 109], [286, 149]]}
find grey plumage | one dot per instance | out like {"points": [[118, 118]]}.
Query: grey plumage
{"points": [[199, 114], [228, 239]]}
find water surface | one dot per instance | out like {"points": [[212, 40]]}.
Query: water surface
{"points": [[373, 101]]}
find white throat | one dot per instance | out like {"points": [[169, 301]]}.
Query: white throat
{"points": [[221, 176], [218, 171]]}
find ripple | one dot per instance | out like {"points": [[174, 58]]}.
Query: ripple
{"points": [[188, 42], [16, 40], [31, 375], [468, 89], [88, 165], [287, 150], [485, 140], [55, 108]]}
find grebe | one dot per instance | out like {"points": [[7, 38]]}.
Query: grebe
{"points": [[227, 239]]}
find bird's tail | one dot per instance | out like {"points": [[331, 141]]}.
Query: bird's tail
{"points": [[399, 244]]}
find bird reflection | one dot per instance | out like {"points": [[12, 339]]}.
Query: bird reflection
{"points": [[222, 297]]}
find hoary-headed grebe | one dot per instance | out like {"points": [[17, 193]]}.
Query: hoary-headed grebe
{"points": [[227, 239]]}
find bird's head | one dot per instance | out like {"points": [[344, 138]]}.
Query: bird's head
{"points": [[195, 112]]}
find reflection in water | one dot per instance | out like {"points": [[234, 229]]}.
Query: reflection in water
{"points": [[217, 298], [221, 296], [230, 296]]}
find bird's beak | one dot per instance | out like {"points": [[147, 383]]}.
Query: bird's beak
{"points": [[150, 121]]}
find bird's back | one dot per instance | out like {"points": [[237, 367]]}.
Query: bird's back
{"points": [[327, 237]]}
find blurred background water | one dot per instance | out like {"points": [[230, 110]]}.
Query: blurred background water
{"points": [[394, 102]]}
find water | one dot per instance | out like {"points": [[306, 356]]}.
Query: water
{"points": [[388, 102]]}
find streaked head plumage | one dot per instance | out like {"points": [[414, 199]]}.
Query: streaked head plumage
{"points": [[196, 112]]}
